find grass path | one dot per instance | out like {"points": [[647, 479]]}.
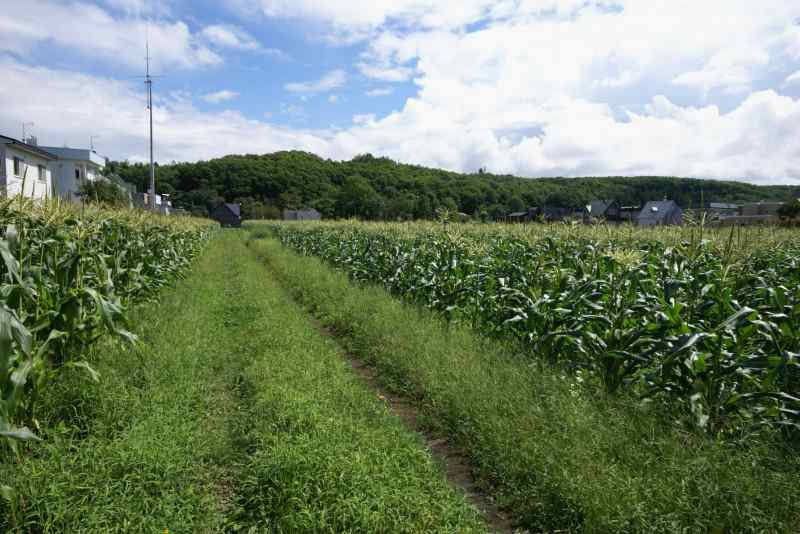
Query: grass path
{"points": [[234, 414]]}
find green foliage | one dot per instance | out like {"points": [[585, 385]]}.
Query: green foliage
{"points": [[558, 453], [379, 188], [790, 210], [681, 324], [66, 277], [103, 192]]}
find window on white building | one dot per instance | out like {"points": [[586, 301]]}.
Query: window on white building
{"points": [[42, 173], [77, 173], [18, 166]]}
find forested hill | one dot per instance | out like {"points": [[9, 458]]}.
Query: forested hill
{"points": [[372, 188]]}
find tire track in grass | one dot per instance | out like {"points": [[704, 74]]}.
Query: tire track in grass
{"points": [[316, 451], [453, 461]]}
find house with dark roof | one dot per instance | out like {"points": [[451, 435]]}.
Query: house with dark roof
{"points": [[660, 213], [227, 214], [302, 215], [24, 169], [608, 210]]}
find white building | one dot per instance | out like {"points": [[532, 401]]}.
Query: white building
{"points": [[24, 168], [74, 167]]}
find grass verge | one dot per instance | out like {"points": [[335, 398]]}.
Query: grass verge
{"points": [[556, 456], [234, 414]]}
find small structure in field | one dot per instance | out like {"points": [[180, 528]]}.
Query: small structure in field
{"points": [[660, 213], [227, 214], [302, 215]]}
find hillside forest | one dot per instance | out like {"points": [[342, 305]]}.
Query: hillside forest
{"points": [[376, 188]]}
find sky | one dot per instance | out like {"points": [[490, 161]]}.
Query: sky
{"points": [[701, 88]]}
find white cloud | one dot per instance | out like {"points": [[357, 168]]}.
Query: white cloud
{"points": [[379, 91], [333, 99], [119, 40], [792, 79], [230, 37], [332, 80], [365, 118], [220, 96], [758, 140]]}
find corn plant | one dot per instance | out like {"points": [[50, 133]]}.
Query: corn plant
{"points": [[697, 322], [67, 277]]}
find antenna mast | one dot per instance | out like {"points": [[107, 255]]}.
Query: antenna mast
{"points": [[149, 83]]}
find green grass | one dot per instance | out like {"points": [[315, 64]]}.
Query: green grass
{"points": [[233, 413], [558, 455]]}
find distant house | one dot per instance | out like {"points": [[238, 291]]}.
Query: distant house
{"points": [[602, 209], [754, 213], [629, 213], [544, 213], [227, 214], [522, 216], [555, 213], [302, 215], [660, 213], [74, 167], [24, 169], [722, 208], [760, 208]]}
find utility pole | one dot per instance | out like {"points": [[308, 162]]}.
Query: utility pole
{"points": [[149, 83]]}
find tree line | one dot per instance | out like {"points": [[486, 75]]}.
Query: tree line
{"points": [[371, 187]]}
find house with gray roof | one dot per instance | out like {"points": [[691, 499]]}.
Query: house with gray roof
{"points": [[227, 214], [302, 215], [660, 213], [602, 209]]}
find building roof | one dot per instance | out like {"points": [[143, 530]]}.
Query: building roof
{"points": [[234, 208], [657, 210], [722, 206], [518, 214], [598, 208], [78, 154], [25, 146]]}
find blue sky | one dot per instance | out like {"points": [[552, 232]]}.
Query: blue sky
{"points": [[705, 88]]}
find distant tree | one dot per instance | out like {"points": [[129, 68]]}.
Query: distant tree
{"points": [[103, 192], [790, 210], [357, 198]]}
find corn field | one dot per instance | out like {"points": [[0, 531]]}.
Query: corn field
{"points": [[706, 322], [68, 275]]}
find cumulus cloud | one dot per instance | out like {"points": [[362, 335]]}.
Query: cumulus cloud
{"points": [[230, 36], [27, 24], [332, 80], [530, 87], [757, 140], [220, 96]]}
